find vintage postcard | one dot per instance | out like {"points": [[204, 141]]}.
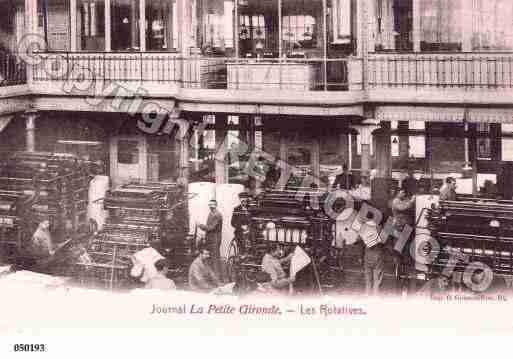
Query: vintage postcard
{"points": [[199, 168]]}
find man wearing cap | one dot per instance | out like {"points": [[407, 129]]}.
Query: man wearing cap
{"points": [[241, 219], [343, 181], [213, 234]]}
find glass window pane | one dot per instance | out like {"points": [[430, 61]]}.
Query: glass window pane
{"points": [[125, 25], [162, 26], [492, 28], [91, 25], [128, 152], [442, 24], [507, 149], [417, 146], [507, 127], [12, 22], [54, 23], [217, 26]]}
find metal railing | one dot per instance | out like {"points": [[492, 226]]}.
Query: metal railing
{"points": [[13, 70], [196, 72], [438, 71]]}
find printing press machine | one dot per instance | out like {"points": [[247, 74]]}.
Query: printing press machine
{"points": [[291, 218], [38, 186], [473, 230], [140, 216], [11, 224]]}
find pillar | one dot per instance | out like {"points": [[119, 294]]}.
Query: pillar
{"points": [[468, 30], [315, 159], [184, 26], [365, 130], [30, 140], [108, 27], [382, 181], [31, 17], [284, 155], [73, 24], [416, 25], [383, 151], [221, 160], [247, 138], [404, 142], [142, 25], [362, 33]]}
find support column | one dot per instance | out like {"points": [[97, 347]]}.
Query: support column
{"points": [[365, 130], [381, 182], [73, 24], [184, 26], [142, 25], [108, 27], [362, 40], [404, 142], [30, 140], [31, 17], [468, 30], [416, 25], [315, 159], [221, 163], [284, 155], [383, 151], [184, 161]]}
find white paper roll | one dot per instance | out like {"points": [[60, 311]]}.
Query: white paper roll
{"points": [[422, 233]]}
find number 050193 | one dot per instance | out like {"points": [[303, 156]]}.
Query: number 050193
{"points": [[29, 347]]}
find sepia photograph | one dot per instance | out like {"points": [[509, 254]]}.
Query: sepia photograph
{"points": [[330, 167]]}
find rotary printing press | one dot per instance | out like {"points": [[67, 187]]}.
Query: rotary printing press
{"points": [[292, 218], [12, 224], [140, 216], [39, 186], [471, 231]]}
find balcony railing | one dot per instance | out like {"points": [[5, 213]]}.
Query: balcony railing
{"points": [[196, 72], [12, 70], [439, 71]]}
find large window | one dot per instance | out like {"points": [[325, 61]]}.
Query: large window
{"points": [[12, 23], [91, 25], [161, 25], [54, 23], [299, 33], [216, 26], [441, 23], [125, 25], [507, 142], [455, 25], [492, 25]]}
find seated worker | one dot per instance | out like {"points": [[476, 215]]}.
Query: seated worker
{"points": [[43, 251], [159, 280], [272, 265], [363, 191], [448, 190], [143, 262], [41, 245], [202, 277]]}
